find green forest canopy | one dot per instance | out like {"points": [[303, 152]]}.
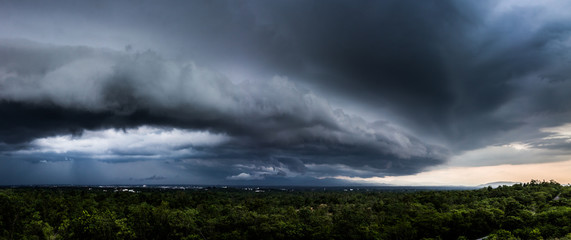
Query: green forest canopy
{"points": [[534, 210]]}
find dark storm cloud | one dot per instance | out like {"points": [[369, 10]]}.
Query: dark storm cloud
{"points": [[272, 122], [442, 65], [378, 50], [448, 70], [152, 178], [460, 74]]}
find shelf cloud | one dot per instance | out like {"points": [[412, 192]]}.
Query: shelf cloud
{"points": [[279, 92]]}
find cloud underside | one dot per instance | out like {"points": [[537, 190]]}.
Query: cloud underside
{"points": [[65, 100], [246, 91]]}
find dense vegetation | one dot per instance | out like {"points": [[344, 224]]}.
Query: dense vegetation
{"points": [[532, 210]]}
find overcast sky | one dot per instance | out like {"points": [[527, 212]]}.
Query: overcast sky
{"points": [[284, 92]]}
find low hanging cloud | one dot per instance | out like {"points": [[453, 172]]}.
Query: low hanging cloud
{"points": [[245, 176], [487, 80], [137, 143], [65, 99]]}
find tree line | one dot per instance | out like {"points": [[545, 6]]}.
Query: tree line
{"points": [[534, 210]]}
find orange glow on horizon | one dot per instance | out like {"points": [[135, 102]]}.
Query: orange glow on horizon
{"points": [[471, 176]]}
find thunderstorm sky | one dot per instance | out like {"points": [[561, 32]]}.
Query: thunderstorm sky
{"points": [[284, 92]]}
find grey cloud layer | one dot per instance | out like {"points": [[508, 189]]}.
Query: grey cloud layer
{"points": [[461, 73], [465, 75], [103, 88]]}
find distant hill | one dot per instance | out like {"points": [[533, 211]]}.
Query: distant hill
{"points": [[497, 184]]}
